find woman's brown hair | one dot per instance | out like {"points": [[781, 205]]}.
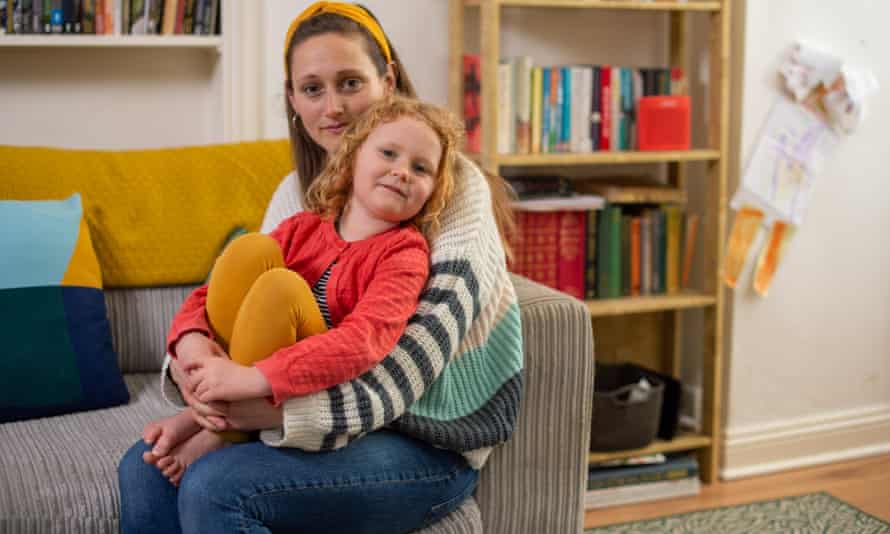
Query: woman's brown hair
{"points": [[310, 158], [329, 193]]}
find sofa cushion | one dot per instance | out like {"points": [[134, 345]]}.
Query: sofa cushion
{"points": [[158, 216], [58, 356], [60, 473]]}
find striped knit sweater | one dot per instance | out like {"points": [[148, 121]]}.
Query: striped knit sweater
{"points": [[454, 379]]}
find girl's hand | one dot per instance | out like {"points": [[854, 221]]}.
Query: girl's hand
{"points": [[220, 379], [211, 416]]}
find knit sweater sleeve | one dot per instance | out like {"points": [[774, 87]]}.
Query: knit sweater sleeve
{"points": [[364, 336], [454, 378]]}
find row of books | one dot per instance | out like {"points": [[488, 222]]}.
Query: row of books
{"points": [[110, 17], [570, 108], [617, 251], [653, 478]]}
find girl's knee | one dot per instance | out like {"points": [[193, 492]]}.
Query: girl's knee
{"points": [[254, 247], [282, 284]]}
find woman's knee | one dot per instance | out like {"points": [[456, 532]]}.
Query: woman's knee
{"points": [[132, 468]]}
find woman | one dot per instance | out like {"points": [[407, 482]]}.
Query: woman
{"points": [[447, 394]]}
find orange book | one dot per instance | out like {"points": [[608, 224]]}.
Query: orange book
{"points": [[635, 257]]}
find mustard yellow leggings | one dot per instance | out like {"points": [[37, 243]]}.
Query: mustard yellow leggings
{"points": [[256, 305]]}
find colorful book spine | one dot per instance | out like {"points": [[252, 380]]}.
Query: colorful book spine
{"points": [[537, 110], [605, 107], [523, 104], [546, 109], [635, 258], [565, 137], [556, 95]]}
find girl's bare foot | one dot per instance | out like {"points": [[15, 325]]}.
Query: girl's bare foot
{"points": [[167, 433], [173, 465]]}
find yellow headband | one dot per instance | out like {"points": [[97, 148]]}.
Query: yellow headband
{"points": [[349, 11]]}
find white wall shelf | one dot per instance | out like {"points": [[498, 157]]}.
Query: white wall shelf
{"points": [[113, 41]]}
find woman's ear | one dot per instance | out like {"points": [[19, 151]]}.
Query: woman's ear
{"points": [[389, 79]]}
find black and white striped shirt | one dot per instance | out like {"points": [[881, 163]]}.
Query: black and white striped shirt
{"points": [[319, 290]]}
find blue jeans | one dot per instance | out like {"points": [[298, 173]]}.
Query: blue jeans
{"points": [[384, 482]]}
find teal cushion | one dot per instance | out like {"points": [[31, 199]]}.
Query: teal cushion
{"points": [[57, 352]]}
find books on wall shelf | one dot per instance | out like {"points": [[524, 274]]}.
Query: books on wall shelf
{"points": [[630, 243], [110, 17], [669, 477], [568, 108]]}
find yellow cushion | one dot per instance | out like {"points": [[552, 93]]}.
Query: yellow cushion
{"points": [[157, 217]]}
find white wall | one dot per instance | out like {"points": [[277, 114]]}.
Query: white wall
{"points": [[109, 97], [810, 365]]}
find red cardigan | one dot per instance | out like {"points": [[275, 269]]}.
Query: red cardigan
{"points": [[371, 293]]}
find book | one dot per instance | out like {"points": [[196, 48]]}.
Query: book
{"points": [[689, 235], [673, 217], [590, 255], [605, 107], [572, 256], [609, 253], [536, 110], [665, 489], [530, 187], [523, 84], [472, 95], [569, 203], [674, 467], [633, 194], [505, 107]]}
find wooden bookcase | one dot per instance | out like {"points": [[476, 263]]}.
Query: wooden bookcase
{"points": [[668, 308]]}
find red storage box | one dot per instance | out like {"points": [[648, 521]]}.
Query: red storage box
{"points": [[663, 123]]}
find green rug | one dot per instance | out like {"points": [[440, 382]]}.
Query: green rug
{"points": [[816, 512]]}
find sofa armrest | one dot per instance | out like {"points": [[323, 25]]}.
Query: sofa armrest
{"points": [[536, 481]]}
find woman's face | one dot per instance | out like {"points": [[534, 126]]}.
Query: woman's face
{"points": [[333, 81]]}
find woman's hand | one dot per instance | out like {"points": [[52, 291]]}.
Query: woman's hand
{"points": [[254, 414]]}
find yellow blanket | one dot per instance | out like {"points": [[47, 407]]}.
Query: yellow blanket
{"points": [[157, 217]]}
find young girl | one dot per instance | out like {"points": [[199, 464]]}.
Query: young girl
{"points": [[325, 296]]}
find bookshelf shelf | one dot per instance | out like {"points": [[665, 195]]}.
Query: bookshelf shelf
{"points": [[683, 442], [112, 41], [603, 158], [630, 305], [658, 5]]}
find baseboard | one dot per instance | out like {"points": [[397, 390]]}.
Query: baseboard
{"points": [[761, 449]]}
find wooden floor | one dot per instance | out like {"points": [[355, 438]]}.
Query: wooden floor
{"points": [[863, 483]]}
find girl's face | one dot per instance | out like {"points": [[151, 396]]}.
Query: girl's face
{"points": [[395, 170], [333, 81]]}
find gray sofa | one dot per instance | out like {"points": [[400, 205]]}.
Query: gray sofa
{"points": [[59, 474]]}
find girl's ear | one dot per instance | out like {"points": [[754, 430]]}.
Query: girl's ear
{"points": [[389, 79]]}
